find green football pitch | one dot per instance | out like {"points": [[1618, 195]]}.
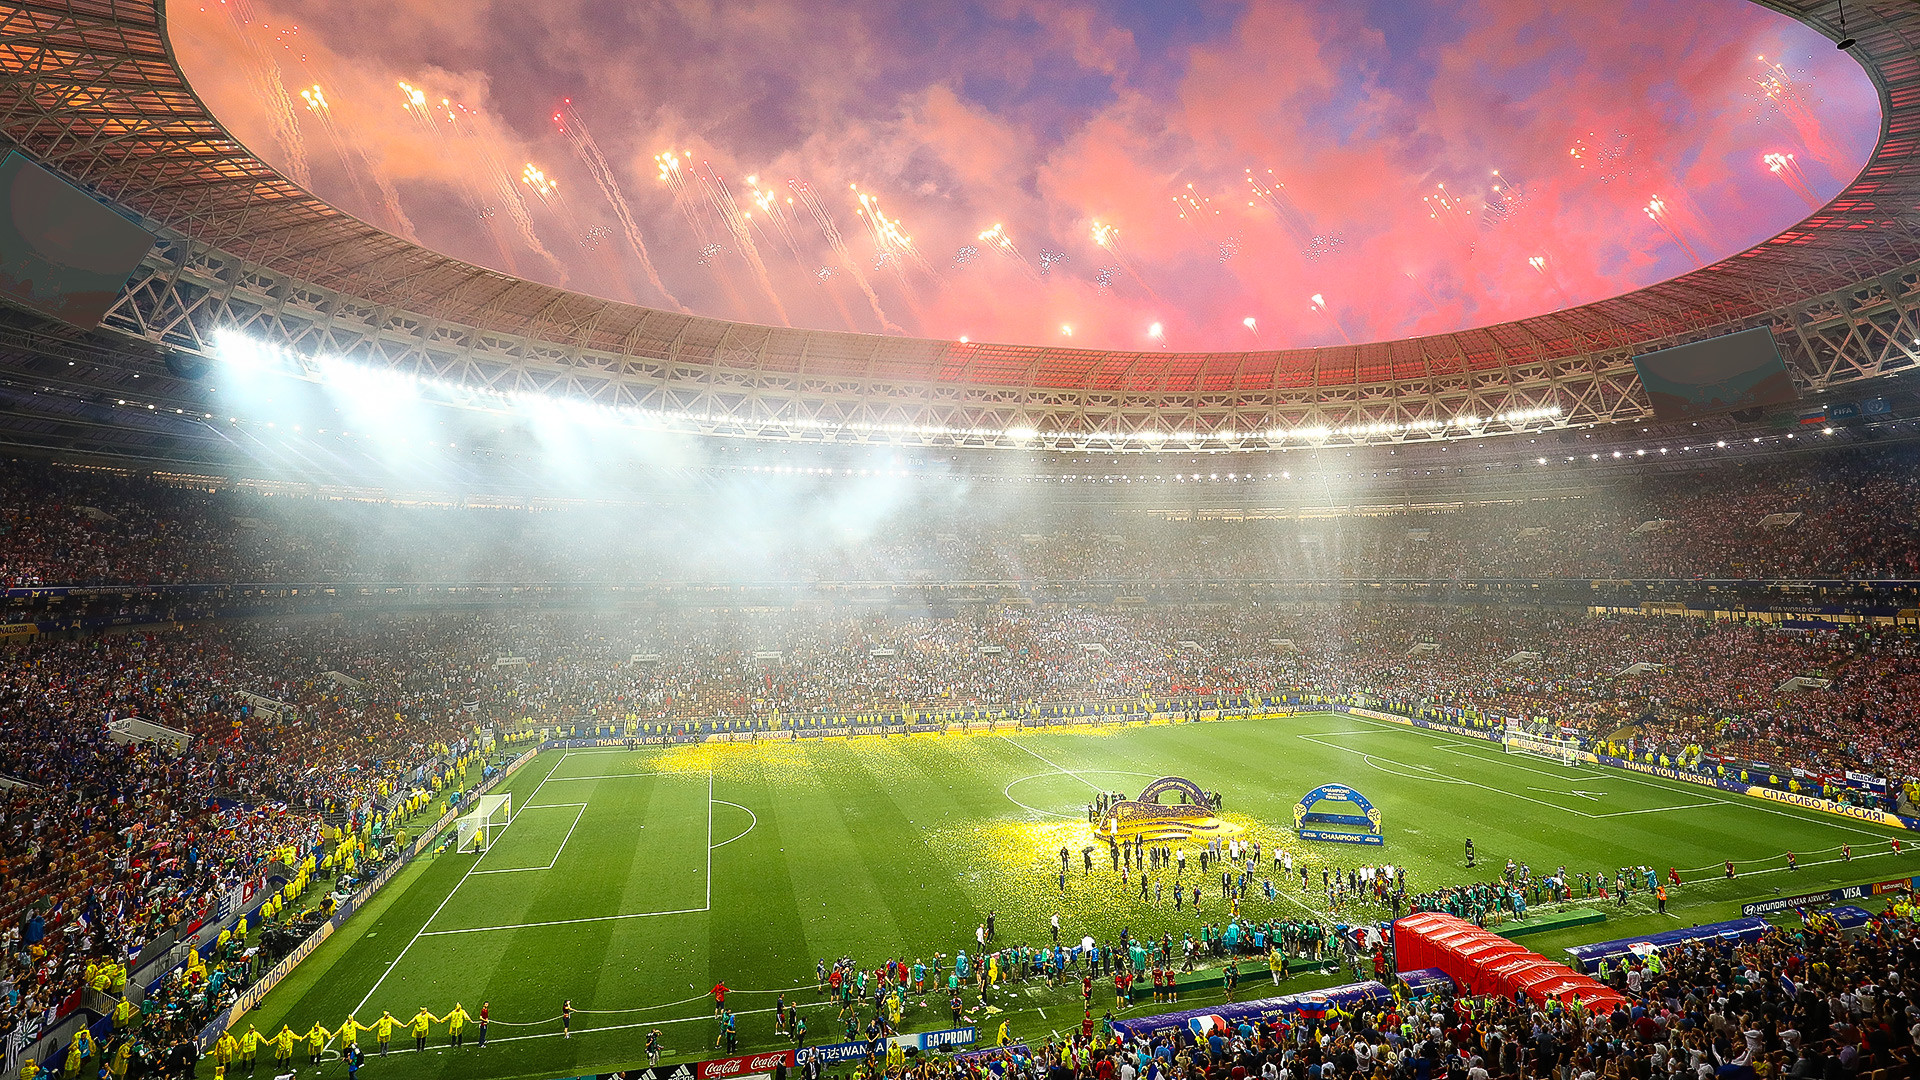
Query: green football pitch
{"points": [[630, 881]]}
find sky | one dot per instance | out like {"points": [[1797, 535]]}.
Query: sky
{"points": [[1192, 176]]}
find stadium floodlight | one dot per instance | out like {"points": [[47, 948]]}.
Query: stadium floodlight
{"points": [[475, 831]]}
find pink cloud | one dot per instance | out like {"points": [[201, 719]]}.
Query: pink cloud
{"points": [[1047, 117]]}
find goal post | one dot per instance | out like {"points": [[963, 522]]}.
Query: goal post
{"points": [[477, 828], [1564, 749]]}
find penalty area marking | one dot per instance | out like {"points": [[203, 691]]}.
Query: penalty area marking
{"points": [[579, 809], [1469, 783], [423, 932], [456, 888]]}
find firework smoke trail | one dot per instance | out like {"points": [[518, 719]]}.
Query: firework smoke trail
{"points": [[1268, 191], [1108, 238], [347, 150], [893, 248], [322, 110], [1452, 214], [575, 129], [505, 184], [546, 191], [740, 227], [507, 188], [839, 246], [997, 239], [1788, 170], [390, 198], [270, 87], [1320, 305], [674, 171], [1432, 297], [1785, 96], [460, 126], [781, 220], [1540, 264], [1656, 209], [767, 201], [1198, 211]]}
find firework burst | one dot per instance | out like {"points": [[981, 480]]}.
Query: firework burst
{"points": [[1106, 235], [1787, 97], [1608, 159], [1662, 215], [889, 236], [1505, 197], [1788, 170], [1544, 267]]}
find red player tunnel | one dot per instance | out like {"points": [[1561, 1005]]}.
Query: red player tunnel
{"points": [[1481, 962]]}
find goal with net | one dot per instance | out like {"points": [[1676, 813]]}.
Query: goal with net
{"points": [[477, 828], [1564, 749]]}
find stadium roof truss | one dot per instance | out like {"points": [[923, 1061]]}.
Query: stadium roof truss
{"points": [[91, 88]]}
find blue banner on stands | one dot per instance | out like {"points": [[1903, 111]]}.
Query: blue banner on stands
{"points": [[1586, 958], [946, 1038], [831, 1053], [1309, 1006], [1421, 982]]}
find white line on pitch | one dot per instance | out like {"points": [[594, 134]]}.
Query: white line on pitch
{"points": [[1658, 809], [755, 820], [556, 854], [564, 922], [613, 776], [709, 903], [1453, 780], [449, 897], [1057, 766]]}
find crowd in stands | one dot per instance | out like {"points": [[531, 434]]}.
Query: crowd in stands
{"points": [[1713, 685], [1804, 1004], [1831, 516], [106, 844]]}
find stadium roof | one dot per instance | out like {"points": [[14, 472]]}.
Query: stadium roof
{"points": [[91, 87]]}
